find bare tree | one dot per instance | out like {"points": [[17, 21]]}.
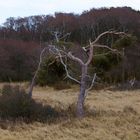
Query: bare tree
{"points": [[84, 66]]}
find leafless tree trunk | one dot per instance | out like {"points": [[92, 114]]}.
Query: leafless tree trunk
{"points": [[84, 67], [36, 72], [81, 97]]}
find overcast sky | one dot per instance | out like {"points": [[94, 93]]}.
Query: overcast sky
{"points": [[22, 8]]}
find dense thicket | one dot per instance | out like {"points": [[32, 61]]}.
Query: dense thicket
{"points": [[18, 59], [21, 39]]}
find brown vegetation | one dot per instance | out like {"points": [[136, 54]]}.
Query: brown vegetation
{"points": [[114, 115], [50, 114], [21, 40]]}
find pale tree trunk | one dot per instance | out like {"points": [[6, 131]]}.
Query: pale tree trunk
{"points": [[32, 85], [81, 97], [30, 92]]}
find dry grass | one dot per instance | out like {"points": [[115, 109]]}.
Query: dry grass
{"points": [[116, 116]]}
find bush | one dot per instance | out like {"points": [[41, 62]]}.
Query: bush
{"points": [[51, 72], [8, 89], [15, 103], [17, 59], [102, 62], [126, 41]]}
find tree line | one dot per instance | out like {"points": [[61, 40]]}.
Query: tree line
{"points": [[22, 39]]}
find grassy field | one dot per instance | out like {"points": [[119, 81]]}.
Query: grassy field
{"points": [[116, 116]]}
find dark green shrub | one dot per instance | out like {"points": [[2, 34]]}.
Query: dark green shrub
{"points": [[14, 104], [52, 71], [102, 62], [17, 104], [126, 41], [8, 89]]}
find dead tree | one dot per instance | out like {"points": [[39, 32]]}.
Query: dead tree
{"points": [[84, 67]]}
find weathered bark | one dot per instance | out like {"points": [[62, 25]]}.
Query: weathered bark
{"points": [[81, 98], [32, 85], [34, 78]]}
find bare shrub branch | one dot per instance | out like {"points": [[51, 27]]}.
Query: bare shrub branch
{"points": [[75, 58], [92, 83], [66, 69]]}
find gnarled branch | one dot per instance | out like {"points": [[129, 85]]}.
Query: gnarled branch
{"points": [[66, 69], [75, 58], [92, 84], [107, 47]]}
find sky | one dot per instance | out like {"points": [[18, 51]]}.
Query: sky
{"points": [[23, 8]]}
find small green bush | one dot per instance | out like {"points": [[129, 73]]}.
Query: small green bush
{"points": [[126, 41], [102, 62]]}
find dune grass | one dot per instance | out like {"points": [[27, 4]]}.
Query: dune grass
{"points": [[114, 115]]}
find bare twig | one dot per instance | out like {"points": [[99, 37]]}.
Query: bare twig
{"points": [[64, 36], [107, 47], [102, 54], [91, 86], [66, 69], [102, 34], [92, 83], [56, 51], [107, 32]]}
